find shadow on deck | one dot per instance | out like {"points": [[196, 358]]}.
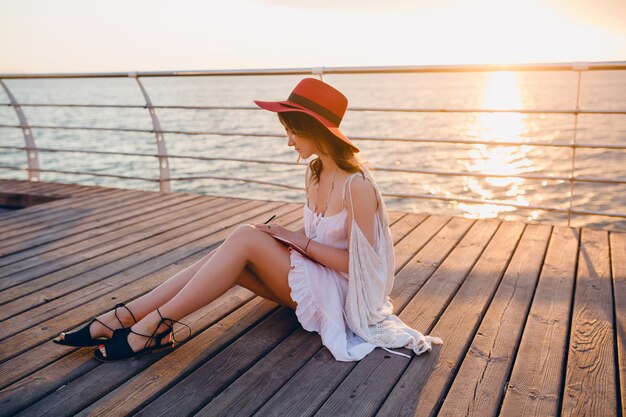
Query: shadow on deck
{"points": [[532, 315]]}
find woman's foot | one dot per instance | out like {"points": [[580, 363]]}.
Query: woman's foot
{"points": [[97, 329], [145, 326]]}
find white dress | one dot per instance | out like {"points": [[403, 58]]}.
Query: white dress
{"points": [[320, 291]]}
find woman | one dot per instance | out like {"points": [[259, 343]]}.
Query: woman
{"points": [[336, 291]]}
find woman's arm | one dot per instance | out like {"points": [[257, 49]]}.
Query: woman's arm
{"points": [[337, 259], [300, 230], [365, 207]]}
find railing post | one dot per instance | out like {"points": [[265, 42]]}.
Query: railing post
{"points": [[319, 71], [164, 165], [32, 155], [577, 66]]}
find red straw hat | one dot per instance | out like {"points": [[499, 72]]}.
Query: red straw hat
{"points": [[317, 99]]}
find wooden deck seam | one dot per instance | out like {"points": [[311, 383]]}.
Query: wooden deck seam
{"points": [[569, 327], [616, 323]]}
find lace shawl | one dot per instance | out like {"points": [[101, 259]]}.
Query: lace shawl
{"points": [[368, 307]]}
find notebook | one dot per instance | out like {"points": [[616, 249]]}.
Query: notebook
{"points": [[293, 245]]}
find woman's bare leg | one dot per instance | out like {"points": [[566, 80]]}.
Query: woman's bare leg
{"points": [[245, 247], [168, 289], [148, 302]]}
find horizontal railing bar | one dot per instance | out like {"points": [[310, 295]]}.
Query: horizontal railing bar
{"points": [[95, 174], [156, 180], [366, 109], [492, 142], [598, 213], [202, 158], [484, 110], [272, 135], [494, 175], [547, 66], [502, 203], [395, 195], [386, 169]]}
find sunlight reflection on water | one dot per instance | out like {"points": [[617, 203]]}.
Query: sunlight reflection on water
{"points": [[501, 92]]}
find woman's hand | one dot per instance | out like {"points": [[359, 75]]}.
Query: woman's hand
{"points": [[277, 230]]}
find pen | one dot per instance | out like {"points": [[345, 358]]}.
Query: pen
{"points": [[270, 219]]}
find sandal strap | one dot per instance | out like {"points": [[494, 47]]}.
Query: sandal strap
{"points": [[171, 326], [117, 317], [95, 319], [159, 337]]}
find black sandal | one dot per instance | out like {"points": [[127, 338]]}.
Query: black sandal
{"points": [[118, 347], [82, 337]]}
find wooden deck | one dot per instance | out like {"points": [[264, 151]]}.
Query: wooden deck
{"points": [[532, 316]]}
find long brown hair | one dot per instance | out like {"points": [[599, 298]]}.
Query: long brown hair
{"points": [[307, 126]]}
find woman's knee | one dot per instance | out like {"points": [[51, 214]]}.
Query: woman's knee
{"points": [[246, 235]]}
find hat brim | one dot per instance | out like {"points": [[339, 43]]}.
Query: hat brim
{"points": [[288, 106]]}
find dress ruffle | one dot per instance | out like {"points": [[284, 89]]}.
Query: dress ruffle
{"points": [[313, 318]]}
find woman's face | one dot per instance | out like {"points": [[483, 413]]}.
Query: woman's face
{"points": [[304, 146]]}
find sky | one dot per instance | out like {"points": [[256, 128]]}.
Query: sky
{"points": [[44, 36]]}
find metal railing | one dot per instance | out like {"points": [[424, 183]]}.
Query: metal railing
{"points": [[165, 179]]}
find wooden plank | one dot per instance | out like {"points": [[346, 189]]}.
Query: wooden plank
{"points": [[102, 247], [17, 186], [44, 209], [69, 212], [19, 246], [590, 380], [10, 183], [250, 391], [17, 201], [536, 382], [27, 220], [56, 209], [477, 387], [618, 269], [56, 190], [309, 388], [95, 189], [364, 390], [66, 241], [91, 226], [33, 215], [39, 188], [136, 280]]}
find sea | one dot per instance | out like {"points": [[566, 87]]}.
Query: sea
{"points": [[257, 134]]}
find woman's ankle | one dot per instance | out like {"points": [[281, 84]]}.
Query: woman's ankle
{"points": [[111, 319], [150, 324]]}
